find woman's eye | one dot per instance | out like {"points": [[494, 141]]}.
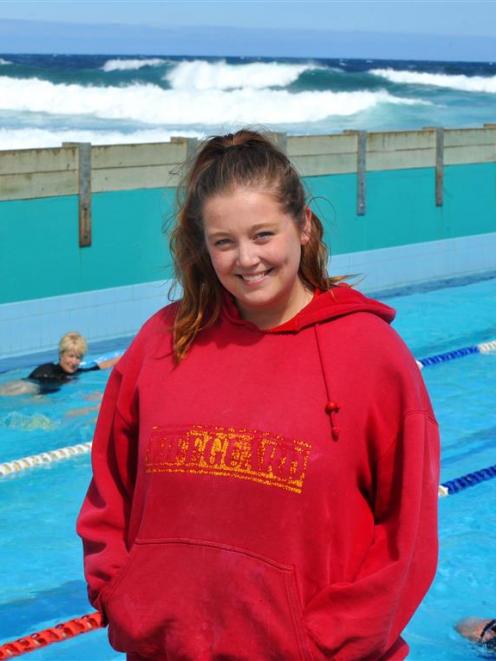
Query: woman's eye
{"points": [[263, 235], [222, 243]]}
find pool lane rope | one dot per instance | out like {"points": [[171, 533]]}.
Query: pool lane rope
{"points": [[10, 467], [17, 465], [465, 481], [55, 634], [483, 347]]}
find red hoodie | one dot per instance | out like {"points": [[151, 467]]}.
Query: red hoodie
{"points": [[274, 496]]}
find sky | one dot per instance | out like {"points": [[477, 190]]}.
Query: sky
{"points": [[409, 29]]}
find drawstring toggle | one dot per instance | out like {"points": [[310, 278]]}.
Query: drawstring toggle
{"points": [[330, 409]]}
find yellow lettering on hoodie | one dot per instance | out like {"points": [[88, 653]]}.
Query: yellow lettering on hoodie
{"points": [[244, 454]]}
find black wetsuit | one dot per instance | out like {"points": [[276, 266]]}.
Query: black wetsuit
{"points": [[50, 376]]}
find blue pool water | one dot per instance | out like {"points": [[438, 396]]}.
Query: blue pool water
{"points": [[40, 554]]}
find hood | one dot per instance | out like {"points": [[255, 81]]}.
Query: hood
{"points": [[336, 302]]}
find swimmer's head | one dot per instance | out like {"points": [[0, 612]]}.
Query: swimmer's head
{"points": [[72, 348]]}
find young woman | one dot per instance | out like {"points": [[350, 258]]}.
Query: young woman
{"points": [[266, 457]]}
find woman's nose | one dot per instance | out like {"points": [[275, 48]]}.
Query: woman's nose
{"points": [[247, 255]]}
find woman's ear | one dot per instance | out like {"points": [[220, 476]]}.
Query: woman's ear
{"points": [[307, 227]]}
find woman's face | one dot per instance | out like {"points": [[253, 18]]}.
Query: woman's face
{"points": [[255, 249], [70, 360]]}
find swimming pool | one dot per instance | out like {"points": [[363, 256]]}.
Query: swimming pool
{"points": [[42, 580]]}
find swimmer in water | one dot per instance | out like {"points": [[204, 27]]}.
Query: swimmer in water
{"points": [[49, 377], [479, 630]]}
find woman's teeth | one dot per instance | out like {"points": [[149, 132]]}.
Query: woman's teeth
{"points": [[255, 277]]}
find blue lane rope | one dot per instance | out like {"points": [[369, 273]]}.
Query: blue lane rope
{"points": [[483, 347], [465, 481], [428, 361]]}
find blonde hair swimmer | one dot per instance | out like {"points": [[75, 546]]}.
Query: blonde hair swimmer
{"points": [[49, 377]]}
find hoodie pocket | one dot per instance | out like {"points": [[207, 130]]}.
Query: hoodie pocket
{"points": [[195, 600]]}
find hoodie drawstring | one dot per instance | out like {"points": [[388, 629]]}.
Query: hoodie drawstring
{"points": [[331, 408]]}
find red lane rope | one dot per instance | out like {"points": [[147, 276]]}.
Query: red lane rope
{"points": [[54, 634]]}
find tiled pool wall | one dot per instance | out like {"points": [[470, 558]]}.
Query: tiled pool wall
{"points": [[397, 210]]}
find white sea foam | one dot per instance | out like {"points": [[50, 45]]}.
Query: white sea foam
{"points": [[130, 65], [32, 138], [201, 75], [153, 105], [458, 82], [2, 61]]}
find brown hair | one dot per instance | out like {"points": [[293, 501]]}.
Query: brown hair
{"points": [[244, 159]]}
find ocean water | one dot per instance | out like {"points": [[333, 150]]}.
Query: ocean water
{"points": [[48, 99]]}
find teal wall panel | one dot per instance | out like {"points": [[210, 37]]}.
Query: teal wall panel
{"points": [[470, 199], [39, 244], [129, 245], [400, 206], [40, 255], [38, 248]]}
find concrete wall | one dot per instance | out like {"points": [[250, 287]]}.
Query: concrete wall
{"points": [[397, 208]]}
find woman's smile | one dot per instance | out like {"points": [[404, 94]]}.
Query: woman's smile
{"points": [[255, 278]]}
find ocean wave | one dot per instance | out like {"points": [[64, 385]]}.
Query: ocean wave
{"points": [[201, 75], [2, 61], [458, 82], [152, 105], [131, 65], [33, 138]]}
